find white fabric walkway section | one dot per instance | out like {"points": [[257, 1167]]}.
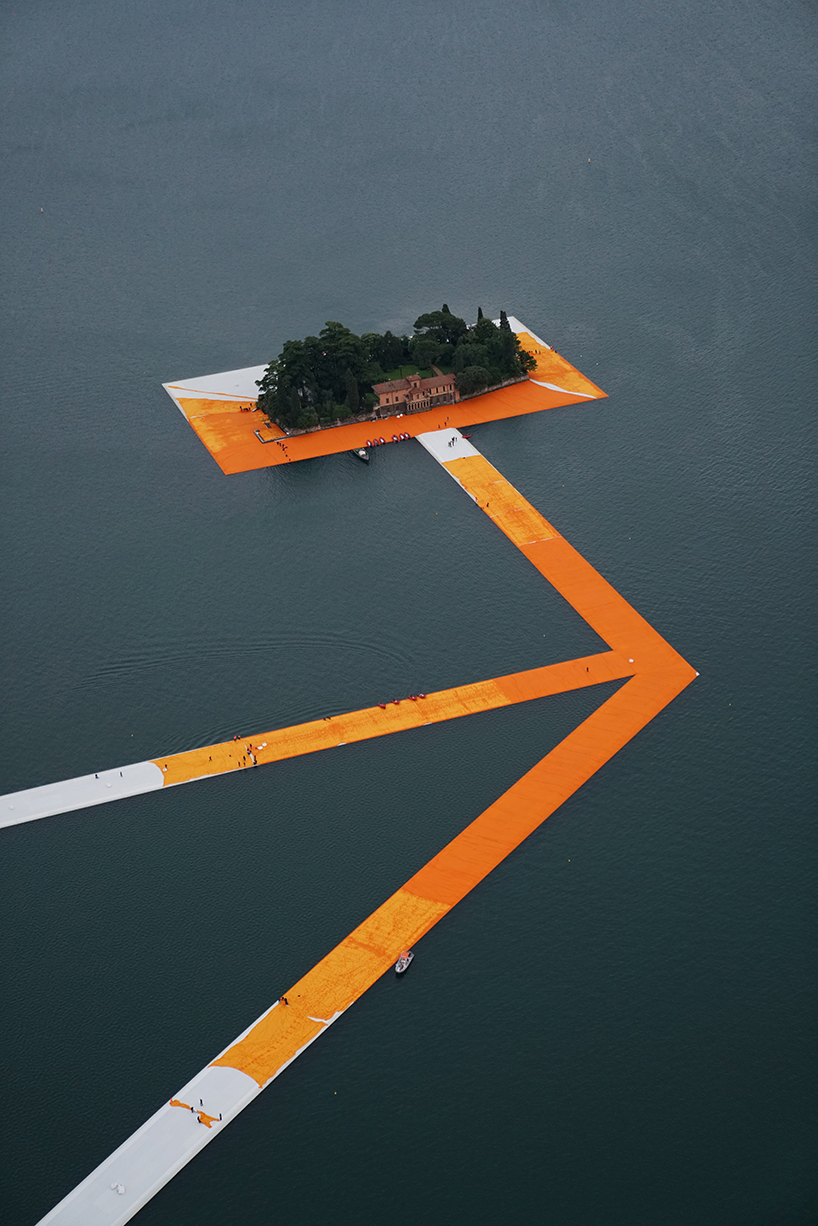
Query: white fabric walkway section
{"points": [[516, 326], [565, 390], [79, 793], [135, 1172], [446, 445], [229, 385]]}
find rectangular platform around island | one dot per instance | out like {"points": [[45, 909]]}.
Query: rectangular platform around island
{"points": [[216, 406]]}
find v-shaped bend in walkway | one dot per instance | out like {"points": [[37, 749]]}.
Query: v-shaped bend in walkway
{"points": [[657, 674]]}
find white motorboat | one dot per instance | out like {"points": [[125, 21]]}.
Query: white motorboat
{"points": [[403, 961], [362, 454]]}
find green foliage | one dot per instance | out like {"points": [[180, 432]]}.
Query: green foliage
{"points": [[473, 379], [447, 329], [424, 349], [328, 377], [386, 351], [353, 397], [471, 354]]}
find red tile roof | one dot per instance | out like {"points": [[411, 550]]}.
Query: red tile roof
{"points": [[403, 385]]}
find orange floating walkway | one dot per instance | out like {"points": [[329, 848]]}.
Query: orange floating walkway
{"points": [[658, 674], [337, 730], [327, 733], [148, 1159], [239, 442]]}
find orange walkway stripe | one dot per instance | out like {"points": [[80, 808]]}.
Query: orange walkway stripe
{"points": [[657, 674], [333, 985], [372, 721]]}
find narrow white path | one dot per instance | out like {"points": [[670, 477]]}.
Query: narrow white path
{"points": [[80, 793], [135, 1172], [151, 1156], [445, 445]]}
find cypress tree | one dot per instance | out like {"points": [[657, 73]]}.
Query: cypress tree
{"points": [[479, 314], [353, 399]]}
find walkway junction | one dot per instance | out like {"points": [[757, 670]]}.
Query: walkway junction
{"points": [[655, 673]]}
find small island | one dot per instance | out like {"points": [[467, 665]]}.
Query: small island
{"points": [[337, 376]]}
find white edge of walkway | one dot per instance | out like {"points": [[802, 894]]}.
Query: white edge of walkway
{"points": [[166, 1142], [80, 793], [516, 326], [227, 385], [445, 445], [565, 391]]}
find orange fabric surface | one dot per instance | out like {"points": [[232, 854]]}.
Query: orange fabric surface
{"points": [[362, 957], [459, 867], [593, 597], [499, 499], [206, 408], [332, 985], [657, 674], [204, 1118], [600, 604], [555, 369], [372, 721]]}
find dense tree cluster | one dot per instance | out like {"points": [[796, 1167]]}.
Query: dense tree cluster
{"points": [[329, 377]]}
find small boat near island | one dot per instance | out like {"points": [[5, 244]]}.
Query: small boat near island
{"points": [[362, 454], [403, 961]]}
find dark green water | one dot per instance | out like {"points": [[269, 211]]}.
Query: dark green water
{"points": [[619, 1025]]}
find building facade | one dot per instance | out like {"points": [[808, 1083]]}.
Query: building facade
{"points": [[413, 394]]}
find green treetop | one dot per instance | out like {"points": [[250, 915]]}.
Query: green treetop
{"points": [[330, 376]]}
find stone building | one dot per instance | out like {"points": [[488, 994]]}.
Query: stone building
{"points": [[413, 394]]}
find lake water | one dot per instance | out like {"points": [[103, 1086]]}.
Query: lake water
{"points": [[618, 1026]]}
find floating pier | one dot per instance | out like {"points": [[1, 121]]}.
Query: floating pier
{"points": [[331, 732], [216, 406], [195, 1114]]}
